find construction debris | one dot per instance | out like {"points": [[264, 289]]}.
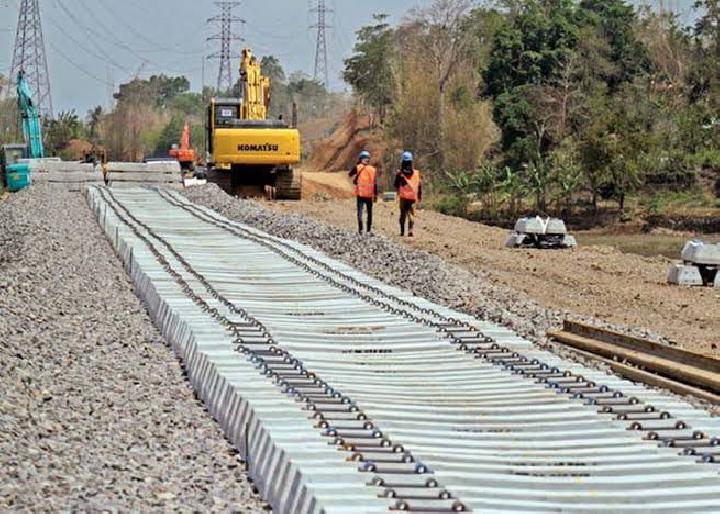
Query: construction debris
{"points": [[192, 181], [699, 267], [133, 174], [536, 232]]}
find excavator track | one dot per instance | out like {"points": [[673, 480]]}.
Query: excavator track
{"points": [[288, 185], [221, 178]]}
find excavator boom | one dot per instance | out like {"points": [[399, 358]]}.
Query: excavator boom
{"points": [[185, 154], [17, 174], [255, 88], [185, 139], [32, 128]]}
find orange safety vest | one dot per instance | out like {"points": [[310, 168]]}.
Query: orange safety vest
{"points": [[365, 181], [410, 186]]}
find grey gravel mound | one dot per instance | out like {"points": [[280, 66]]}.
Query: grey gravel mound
{"points": [[422, 273], [95, 412]]}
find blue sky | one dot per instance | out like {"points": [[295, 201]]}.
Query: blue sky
{"points": [[95, 44]]}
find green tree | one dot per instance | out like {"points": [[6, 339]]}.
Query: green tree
{"points": [[190, 104], [93, 119], [158, 90], [616, 21], [272, 68], [170, 135], [530, 76], [59, 131], [705, 73], [531, 49], [369, 71]]}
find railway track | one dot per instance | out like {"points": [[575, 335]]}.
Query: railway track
{"points": [[347, 395]]}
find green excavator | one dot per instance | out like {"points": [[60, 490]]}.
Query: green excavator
{"points": [[17, 173]]}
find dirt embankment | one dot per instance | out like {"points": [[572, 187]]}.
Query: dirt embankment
{"points": [[327, 185], [338, 152], [324, 173], [595, 281]]}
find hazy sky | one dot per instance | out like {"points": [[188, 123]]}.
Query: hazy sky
{"points": [[95, 44], [91, 43]]}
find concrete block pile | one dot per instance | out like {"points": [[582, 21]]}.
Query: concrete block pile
{"points": [[699, 267], [536, 232], [69, 176], [133, 174]]}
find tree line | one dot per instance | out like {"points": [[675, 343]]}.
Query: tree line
{"points": [[148, 114], [547, 104]]}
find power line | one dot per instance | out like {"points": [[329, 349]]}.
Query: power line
{"points": [[321, 51], [77, 66], [157, 47], [226, 36], [103, 33], [29, 55], [98, 35], [102, 56]]}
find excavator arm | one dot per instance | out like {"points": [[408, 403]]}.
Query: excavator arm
{"points": [[185, 154], [32, 128], [256, 88]]}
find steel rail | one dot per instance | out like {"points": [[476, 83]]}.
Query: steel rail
{"points": [[314, 376], [208, 214]]}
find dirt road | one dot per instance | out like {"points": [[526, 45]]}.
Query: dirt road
{"points": [[596, 281]]}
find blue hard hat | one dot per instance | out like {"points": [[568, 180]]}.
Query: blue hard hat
{"points": [[364, 154], [407, 157]]}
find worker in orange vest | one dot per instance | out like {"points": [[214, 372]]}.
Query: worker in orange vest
{"points": [[409, 187], [366, 188]]}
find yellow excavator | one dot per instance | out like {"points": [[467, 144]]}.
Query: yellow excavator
{"points": [[249, 154]]}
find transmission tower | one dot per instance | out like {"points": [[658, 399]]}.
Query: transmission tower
{"points": [[29, 55], [226, 36], [321, 53]]}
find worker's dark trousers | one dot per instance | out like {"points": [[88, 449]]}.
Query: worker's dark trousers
{"points": [[407, 214], [360, 203]]}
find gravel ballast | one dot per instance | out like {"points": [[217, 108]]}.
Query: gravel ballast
{"points": [[96, 413]]}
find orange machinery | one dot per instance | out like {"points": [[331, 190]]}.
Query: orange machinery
{"points": [[185, 154]]}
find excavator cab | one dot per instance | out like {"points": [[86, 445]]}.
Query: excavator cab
{"points": [[9, 156]]}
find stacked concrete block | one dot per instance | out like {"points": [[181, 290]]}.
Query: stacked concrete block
{"points": [[699, 267], [69, 176], [540, 233], [684, 275], [133, 174]]}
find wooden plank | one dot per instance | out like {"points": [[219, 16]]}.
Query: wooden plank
{"points": [[679, 371], [638, 375], [691, 358]]}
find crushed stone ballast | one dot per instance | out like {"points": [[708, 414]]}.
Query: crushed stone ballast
{"points": [[348, 395]]}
